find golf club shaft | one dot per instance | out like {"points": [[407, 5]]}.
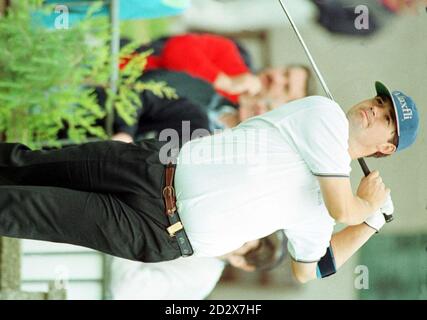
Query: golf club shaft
{"points": [[307, 52], [361, 161]]}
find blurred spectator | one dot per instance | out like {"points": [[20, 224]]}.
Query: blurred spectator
{"points": [[224, 64], [193, 277], [210, 57], [278, 86], [197, 91], [157, 114], [201, 105], [184, 278]]}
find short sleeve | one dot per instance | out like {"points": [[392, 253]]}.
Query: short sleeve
{"points": [[308, 243], [320, 134]]}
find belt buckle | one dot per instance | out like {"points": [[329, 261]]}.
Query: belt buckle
{"points": [[169, 194], [174, 228], [171, 191]]}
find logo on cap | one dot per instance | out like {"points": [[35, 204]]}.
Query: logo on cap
{"points": [[407, 112]]}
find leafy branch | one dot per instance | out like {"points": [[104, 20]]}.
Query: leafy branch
{"points": [[47, 77]]}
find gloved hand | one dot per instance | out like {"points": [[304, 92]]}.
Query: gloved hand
{"points": [[377, 220]]}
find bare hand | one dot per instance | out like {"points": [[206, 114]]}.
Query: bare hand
{"points": [[373, 190], [239, 84], [247, 83]]}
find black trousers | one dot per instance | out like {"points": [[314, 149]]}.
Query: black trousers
{"points": [[103, 195]]}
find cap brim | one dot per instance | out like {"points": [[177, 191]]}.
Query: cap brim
{"points": [[383, 90]]}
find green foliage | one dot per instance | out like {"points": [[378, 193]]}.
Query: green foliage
{"points": [[47, 76], [127, 101]]}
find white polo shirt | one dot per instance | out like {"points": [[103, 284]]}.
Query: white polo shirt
{"points": [[247, 182]]}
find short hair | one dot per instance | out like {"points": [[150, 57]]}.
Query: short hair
{"points": [[395, 139], [269, 253]]}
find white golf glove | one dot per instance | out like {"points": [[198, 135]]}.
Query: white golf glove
{"points": [[377, 220]]}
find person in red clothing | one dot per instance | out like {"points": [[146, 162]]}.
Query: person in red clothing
{"points": [[210, 57], [218, 60]]}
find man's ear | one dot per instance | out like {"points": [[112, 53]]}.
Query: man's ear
{"points": [[386, 148], [239, 262]]}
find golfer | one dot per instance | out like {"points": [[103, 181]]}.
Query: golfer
{"points": [[292, 174]]}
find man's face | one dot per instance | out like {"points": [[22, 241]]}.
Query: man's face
{"points": [[284, 84], [372, 123], [251, 106], [280, 85]]}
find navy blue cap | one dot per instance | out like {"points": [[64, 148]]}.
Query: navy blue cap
{"points": [[407, 118]]}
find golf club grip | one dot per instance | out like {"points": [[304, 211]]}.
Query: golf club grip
{"points": [[364, 167], [366, 171]]}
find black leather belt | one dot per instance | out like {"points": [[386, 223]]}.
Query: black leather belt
{"points": [[176, 229]]}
